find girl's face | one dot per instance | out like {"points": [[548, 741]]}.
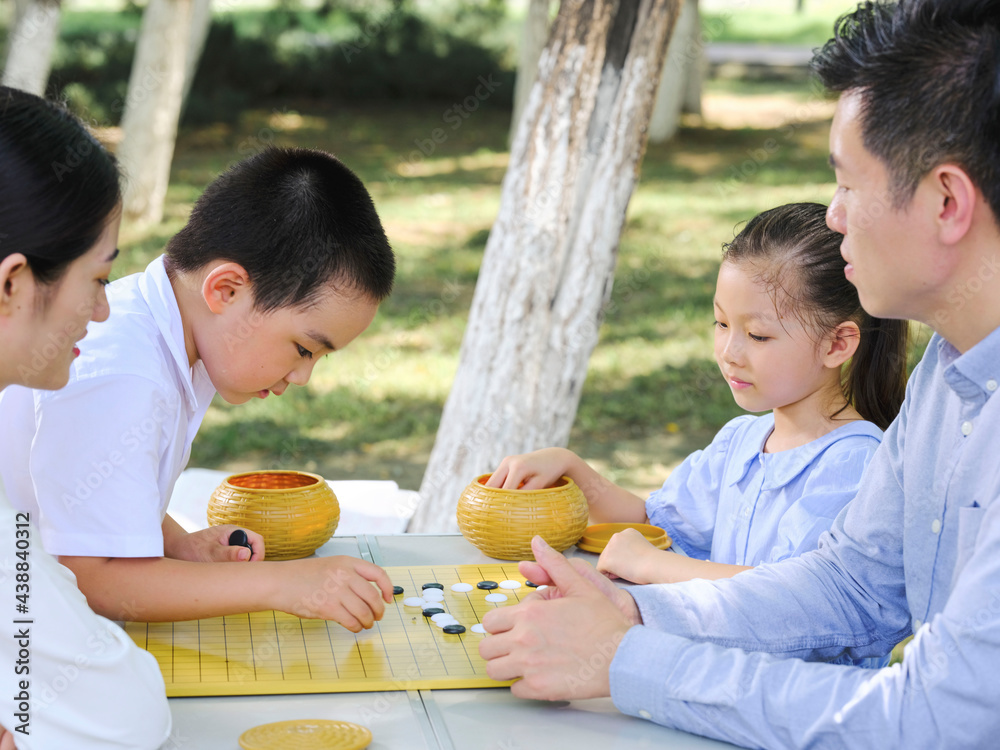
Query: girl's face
{"points": [[768, 357], [52, 319]]}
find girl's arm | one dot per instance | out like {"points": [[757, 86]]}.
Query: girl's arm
{"points": [[531, 471], [630, 556]]}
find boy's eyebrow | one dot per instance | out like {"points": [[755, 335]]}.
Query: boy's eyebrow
{"points": [[833, 161], [112, 256], [319, 337]]}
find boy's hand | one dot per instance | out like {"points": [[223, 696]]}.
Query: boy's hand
{"points": [[6, 740], [532, 471], [336, 588], [629, 555], [560, 641], [212, 545]]}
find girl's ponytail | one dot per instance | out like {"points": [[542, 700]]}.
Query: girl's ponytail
{"points": [[875, 378]]}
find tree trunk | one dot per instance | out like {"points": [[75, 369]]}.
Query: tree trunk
{"points": [[152, 107], [680, 83], [549, 262], [201, 22], [533, 35], [33, 36]]}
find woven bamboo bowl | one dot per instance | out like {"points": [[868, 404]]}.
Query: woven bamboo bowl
{"points": [[296, 512], [501, 523]]}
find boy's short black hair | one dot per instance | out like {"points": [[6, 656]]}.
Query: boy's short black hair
{"points": [[928, 73], [297, 220]]}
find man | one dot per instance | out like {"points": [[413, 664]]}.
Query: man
{"points": [[917, 158]]}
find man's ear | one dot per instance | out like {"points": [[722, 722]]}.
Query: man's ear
{"points": [[225, 285], [17, 283], [955, 201], [840, 344]]}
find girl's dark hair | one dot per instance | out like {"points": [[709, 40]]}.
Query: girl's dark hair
{"points": [[296, 220], [792, 251], [58, 185]]}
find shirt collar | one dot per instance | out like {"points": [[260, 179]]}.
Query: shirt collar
{"points": [[976, 373], [785, 466], [156, 290]]}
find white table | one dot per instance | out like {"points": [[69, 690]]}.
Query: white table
{"points": [[479, 719]]}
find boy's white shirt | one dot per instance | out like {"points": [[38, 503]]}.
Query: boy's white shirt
{"points": [[95, 463]]}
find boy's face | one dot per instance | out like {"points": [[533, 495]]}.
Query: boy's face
{"points": [[889, 258], [253, 354]]}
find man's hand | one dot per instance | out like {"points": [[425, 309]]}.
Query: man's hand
{"points": [[560, 641]]}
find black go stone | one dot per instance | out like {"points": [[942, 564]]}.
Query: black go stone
{"points": [[397, 590], [432, 586], [430, 611], [487, 585], [454, 629]]}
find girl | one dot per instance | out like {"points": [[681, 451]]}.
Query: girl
{"points": [[790, 337], [71, 678]]}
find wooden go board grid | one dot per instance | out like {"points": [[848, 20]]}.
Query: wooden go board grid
{"points": [[268, 653]]}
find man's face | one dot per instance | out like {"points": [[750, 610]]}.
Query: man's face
{"points": [[889, 252]]}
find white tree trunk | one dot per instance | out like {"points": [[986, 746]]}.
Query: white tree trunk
{"points": [[534, 33], [201, 22], [29, 48], [152, 107], [680, 83], [549, 262]]}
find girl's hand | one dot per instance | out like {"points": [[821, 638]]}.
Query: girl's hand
{"points": [[629, 555], [336, 588], [532, 471], [212, 545]]}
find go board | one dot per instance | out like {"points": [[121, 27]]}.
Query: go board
{"points": [[264, 653]]}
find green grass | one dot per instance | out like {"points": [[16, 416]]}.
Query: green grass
{"points": [[652, 394], [771, 21]]}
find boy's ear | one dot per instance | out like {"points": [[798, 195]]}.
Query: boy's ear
{"points": [[841, 343], [16, 282], [224, 285]]}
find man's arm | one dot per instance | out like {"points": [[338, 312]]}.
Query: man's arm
{"points": [[944, 694]]}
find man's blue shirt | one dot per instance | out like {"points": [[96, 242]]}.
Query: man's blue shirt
{"points": [[918, 551]]}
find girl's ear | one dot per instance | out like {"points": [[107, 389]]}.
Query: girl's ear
{"points": [[225, 285], [17, 283], [840, 344]]}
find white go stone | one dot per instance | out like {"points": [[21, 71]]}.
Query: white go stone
{"points": [[510, 585], [433, 595], [414, 601], [477, 628], [462, 588], [496, 597]]}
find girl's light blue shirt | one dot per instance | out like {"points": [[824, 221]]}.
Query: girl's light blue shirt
{"points": [[732, 503]]}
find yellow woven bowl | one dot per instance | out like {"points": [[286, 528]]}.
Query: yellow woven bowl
{"points": [[294, 511], [501, 523]]}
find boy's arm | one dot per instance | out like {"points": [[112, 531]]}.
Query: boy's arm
{"points": [[152, 589]]}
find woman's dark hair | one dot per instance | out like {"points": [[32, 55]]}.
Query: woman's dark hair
{"points": [[791, 250], [928, 76], [58, 185], [297, 220]]}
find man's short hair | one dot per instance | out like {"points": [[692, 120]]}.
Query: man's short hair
{"points": [[297, 220], [928, 76]]}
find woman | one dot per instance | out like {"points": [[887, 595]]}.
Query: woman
{"points": [[70, 677]]}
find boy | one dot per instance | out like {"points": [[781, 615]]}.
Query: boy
{"points": [[283, 260], [917, 163]]}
